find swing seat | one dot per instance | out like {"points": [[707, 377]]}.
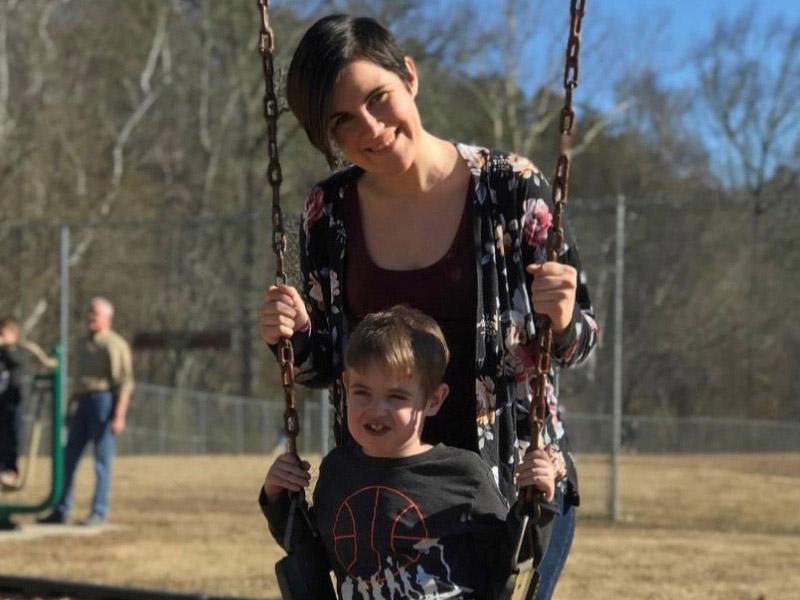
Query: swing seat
{"points": [[529, 547], [525, 581], [303, 574]]}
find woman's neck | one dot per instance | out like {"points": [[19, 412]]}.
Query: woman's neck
{"points": [[435, 161]]}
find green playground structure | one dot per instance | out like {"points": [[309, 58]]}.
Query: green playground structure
{"points": [[52, 384]]}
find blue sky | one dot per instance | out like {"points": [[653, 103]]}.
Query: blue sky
{"points": [[620, 38], [687, 21], [690, 18], [682, 25], [656, 32], [671, 27]]}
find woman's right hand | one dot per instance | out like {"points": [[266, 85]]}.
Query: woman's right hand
{"points": [[283, 313]]}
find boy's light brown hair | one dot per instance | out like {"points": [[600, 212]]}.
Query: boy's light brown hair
{"points": [[400, 339]]}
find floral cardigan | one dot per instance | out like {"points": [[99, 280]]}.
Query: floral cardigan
{"points": [[511, 218]]}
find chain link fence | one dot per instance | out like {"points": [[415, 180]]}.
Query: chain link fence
{"points": [[165, 420], [170, 421]]}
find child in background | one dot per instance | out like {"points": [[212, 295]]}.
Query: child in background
{"points": [[398, 517], [10, 401]]}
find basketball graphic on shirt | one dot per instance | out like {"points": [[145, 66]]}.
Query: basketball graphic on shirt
{"points": [[374, 523]]}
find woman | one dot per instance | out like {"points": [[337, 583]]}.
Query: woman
{"points": [[456, 231]]}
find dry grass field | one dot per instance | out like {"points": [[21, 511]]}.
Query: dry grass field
{"points": [[694, 527]]}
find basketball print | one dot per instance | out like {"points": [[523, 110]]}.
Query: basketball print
{"points": [[376, 523]]}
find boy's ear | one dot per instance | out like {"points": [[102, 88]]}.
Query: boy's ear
{"points": [[435, 399]]}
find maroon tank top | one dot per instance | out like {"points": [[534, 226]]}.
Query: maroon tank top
{"points": [[445, 290]]}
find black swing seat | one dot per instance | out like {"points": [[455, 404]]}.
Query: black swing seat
{"points": [[523, 582], [529, 547], [304, 573]]}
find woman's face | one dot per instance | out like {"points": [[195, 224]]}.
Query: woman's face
{"points": [[374, 119]]}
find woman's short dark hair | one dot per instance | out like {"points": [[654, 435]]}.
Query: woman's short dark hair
{"points": [[327, 47]]}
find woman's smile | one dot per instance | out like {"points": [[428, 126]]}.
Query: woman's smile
{"points": [[385, 144]]}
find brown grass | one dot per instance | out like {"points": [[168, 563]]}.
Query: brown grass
{"points": [[693, 527]]}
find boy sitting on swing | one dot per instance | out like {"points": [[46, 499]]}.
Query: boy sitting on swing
{"points": [[399, 518]]}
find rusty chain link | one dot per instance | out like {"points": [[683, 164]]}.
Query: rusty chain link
{"points": [[266, 46], [555, 238]]}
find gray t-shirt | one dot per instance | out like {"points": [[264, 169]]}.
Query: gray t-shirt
{"points": [[432, 525]]}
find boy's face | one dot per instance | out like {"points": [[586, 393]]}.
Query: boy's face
{"points": [[9, 336], [386, 410]]}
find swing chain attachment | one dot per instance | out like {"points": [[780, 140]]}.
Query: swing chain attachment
{"points": [[555, 238], [274, 176], [266, 46]]}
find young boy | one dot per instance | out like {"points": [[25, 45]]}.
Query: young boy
{"points": [[399, 518], [10, 400]]}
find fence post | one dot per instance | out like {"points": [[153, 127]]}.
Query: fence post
{"points": [[618, 298], [64, 309], [240, 425], [202, 426], [162, 424]]}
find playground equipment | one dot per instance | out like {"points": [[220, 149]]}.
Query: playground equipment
{"points": [[48, 385], [41, 390]]}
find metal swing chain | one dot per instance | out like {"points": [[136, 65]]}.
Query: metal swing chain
{"points": [[555, 237], [266, 46]]}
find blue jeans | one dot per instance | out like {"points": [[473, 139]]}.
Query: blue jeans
{"points": [[555, 557], [90, 423]]}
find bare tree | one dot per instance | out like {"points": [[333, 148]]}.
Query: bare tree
{"points": [[5, 117], [748, 75], [143, 101], [749, 79]]}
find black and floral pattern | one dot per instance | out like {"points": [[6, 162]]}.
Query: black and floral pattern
{"points": [[511, 217]]}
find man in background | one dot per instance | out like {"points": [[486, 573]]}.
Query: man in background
{"points": [[103, 387]]}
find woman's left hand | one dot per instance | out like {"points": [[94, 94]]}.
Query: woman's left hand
{"points": [[553, 292]]}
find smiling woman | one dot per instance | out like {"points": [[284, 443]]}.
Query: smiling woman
{"points": [[454, 230], [374, 118]]}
